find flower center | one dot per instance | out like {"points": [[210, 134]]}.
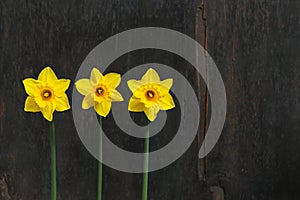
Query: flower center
{"points": [[150, 94], [100, 91], [46, 94]]}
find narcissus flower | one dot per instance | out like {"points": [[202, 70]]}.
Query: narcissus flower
{"points": [[46, 94], [150, 94], [99, 91]]}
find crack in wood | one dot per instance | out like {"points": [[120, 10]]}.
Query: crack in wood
{"points": [[201, 36]]}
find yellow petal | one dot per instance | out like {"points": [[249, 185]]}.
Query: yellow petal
{"points": [[147, 103], [162, 90], [60, 86], [103, 108], [134, 85], [150, 76], [135, 105], [47, 75], [100, 99], [47, 112], [32, 86], [62, 103], [88, 101], [116, 96], [31, 105], [84, 86], [166, 102], [40, 102], [167, 83], [95, 76], [151, 112], [112, 80]]}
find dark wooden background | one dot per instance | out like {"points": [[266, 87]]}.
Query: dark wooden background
{"points": [[255, 45]]}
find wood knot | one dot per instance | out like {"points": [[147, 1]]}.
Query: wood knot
{"points": [[217, 192], [4, 188]]}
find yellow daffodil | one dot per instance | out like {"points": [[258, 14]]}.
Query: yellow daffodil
{"points": [[150, 95], [99, 91], [46, 94]]}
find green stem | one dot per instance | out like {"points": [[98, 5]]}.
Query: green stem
{"points": [[53, 161], [100, 163], [146, 165]]}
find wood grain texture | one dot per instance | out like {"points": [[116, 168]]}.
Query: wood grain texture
{"points": [[255, 45]]}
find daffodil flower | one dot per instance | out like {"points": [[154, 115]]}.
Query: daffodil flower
{"points": [[150, 94], [46, 94], [99, 91]]}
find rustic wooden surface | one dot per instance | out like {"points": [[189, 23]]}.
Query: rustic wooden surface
{"points": [[255, 45]]}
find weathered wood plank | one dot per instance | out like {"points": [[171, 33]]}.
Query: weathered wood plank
{"points": [[34, 34], [256, 45]]}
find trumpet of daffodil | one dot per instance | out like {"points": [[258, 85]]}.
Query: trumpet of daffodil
{"points": [[99, 91], [150, 94], [46, 94]]}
